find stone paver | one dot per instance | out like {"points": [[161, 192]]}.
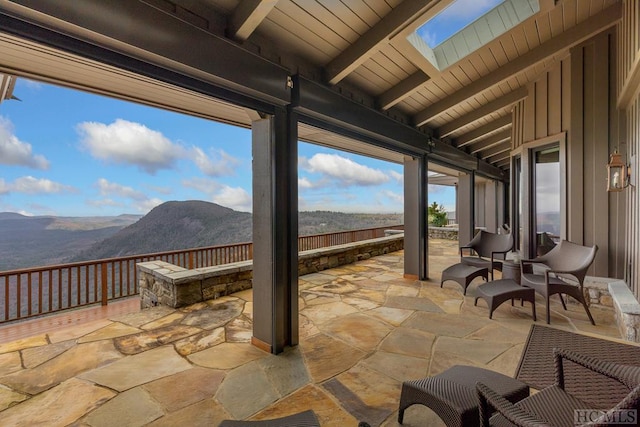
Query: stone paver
{"points": [[62, 405], [363, 329], [138, 369], [132, 408]]}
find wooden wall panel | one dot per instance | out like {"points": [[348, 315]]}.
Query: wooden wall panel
{"points": [[542, 106], [628, 82], [554, 91]]}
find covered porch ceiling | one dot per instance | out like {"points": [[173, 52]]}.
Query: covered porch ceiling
{"points": [[365, 52]]}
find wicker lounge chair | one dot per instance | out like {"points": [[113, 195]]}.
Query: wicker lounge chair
{"points": [[301, 419], [565, 261], [449, 395], [554, 406], [486, 250]]}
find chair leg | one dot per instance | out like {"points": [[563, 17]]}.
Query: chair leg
{"points": [[586, 308], [533, 308], [562, 301], [548, 311]]}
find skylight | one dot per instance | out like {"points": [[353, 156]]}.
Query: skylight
{"points": [[467, 25]]}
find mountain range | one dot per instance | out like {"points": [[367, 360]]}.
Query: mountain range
{"points": [[39, 241]]}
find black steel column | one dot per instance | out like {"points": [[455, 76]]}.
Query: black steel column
{"points": [[275, 231]]}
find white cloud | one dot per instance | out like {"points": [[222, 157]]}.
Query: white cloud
{"points": [[140, 201], [4, 187], [235, 198], [105, 203], [130, 143], [396, 199], [31, 185], [304, 184], [219, 164], [204, 185], [15, 152], [111, 188], [345, 171], [397, 176]]}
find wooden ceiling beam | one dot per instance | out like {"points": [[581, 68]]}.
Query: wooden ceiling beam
{"points": [[378, 35], [247, 16], [402, 90], [491, 141], [497, 149], [498, 157], [504, 163], [491, 107], [573, 36], [472, 136]]}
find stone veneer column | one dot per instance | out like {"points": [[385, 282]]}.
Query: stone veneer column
{"points": [[275, 231], [415, 218]]}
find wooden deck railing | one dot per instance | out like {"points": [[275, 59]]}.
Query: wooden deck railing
{"points": [[32, 292]]}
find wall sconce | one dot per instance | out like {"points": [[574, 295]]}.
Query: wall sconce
{"points": [[618, 173]]}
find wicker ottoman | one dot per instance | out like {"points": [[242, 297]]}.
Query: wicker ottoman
{"points": [[499, 291], [463, 274], [452, 394]]}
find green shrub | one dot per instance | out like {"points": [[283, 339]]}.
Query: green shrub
{"points": [[437, 215]]}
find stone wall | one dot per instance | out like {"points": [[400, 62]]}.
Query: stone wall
{"points": [[445, 233], [627, 310], [162, 283]]}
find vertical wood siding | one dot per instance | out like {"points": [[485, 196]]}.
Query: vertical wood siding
{"points": [[628, 62], [577, 96]]}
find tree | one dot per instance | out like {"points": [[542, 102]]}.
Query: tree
{"points": [[437, 215]]}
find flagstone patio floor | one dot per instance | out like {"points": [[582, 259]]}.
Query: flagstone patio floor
{"points": [[363, 330]]}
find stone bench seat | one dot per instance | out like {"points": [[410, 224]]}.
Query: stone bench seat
{"points": [[163, 283]]}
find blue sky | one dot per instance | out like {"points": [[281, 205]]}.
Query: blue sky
{"points": [[453, 19], [69, 153]]}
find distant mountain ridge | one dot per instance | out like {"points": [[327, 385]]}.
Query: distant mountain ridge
{"points": [[40, 241], [173, 226], [33, 241]]}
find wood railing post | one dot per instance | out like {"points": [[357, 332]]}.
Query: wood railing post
{"points": [[105, 287]]}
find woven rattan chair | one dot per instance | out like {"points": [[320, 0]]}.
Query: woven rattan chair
{"points": [[565, 261], [301, 419], [554, 406], [486, 250]]}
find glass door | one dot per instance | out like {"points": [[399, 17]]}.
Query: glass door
{"points": [[546, 198]]}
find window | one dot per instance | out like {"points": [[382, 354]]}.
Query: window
{"points": [[467, 25]]}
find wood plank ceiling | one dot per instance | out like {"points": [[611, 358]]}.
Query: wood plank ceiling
{"points": [[362, 50]]}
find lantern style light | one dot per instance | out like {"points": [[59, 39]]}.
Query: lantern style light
{"points": [[617, 173]]}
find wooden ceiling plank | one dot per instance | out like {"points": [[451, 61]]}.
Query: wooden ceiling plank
{"points": [[502, 102], [569, 14], [477, 133], [324, 15], [570, 38], [556, 20], [247, 16], [544, 28], [356, 54]]}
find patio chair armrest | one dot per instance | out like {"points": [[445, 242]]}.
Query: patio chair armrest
{"points": [[469, 248], [624, 374], [526, 267], [517, 416]]}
